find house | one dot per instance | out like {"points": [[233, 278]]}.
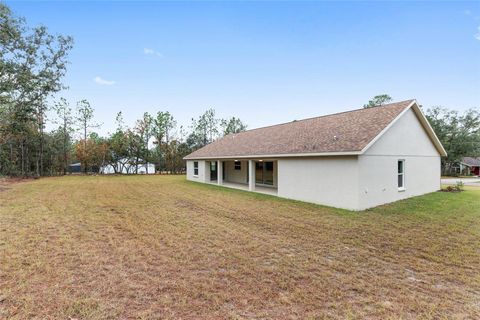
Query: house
{"points": [[471, 166], [129, 166], [75, 167], [465, 166], [353, 160]]}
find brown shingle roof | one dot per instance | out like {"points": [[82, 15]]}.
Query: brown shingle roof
{"points": [[349, 131]]}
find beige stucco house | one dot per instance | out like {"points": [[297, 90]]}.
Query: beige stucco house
{"points": [[353, 160]]}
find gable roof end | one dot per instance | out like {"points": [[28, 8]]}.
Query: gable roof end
{"points": [[423, 121]]}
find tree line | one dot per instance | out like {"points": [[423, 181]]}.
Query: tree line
{"points": [[33, 63], [153, 139]]}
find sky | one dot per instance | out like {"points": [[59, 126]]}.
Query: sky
{"points": [[265, 62]]}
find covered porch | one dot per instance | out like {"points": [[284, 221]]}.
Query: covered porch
{"points": [[258, 175], [259, 189]]}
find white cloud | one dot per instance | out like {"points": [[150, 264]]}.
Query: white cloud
{"points": [[477, 35], [104, 82], [152, 52]]}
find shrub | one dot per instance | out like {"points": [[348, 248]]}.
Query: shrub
{"points": [[459, 186], [456, 188], [449, 189]]}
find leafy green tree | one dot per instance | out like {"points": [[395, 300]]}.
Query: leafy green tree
{"points": [[54, 156], [163, 125], [85, 122], [134, 148], [32, 65], [458, 132], [66, 122], [92, 153], [232, 125], [41, 108], [378, 101], [175, 151], [144, 129], [118, 146], [204, 130]]}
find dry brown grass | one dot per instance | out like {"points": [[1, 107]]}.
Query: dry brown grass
{"points": [[159, 247]]}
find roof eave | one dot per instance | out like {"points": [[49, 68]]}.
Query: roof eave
{"points": [[431, 133], [287, 155]]}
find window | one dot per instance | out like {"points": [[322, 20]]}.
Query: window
{"points": [[195, 168], [269, 166], [264, 172], [238, 165], [401, 174]]}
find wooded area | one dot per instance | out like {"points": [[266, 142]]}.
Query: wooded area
{"points": [[33, 63]]}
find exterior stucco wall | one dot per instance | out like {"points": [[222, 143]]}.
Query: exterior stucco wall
{"points": [[201, 171], [404, 137], [237, 176], [378, 178], [331, 181], [405, 140]]}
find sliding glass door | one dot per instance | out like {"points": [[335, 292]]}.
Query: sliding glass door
{"points": [[213, 170], [264, 172]]}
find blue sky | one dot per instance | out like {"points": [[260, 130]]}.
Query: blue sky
{"points": [[265, 62]]}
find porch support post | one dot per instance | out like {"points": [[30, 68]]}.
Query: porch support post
{"points": [[251, 175], [219, 172]]}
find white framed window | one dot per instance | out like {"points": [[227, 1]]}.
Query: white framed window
{"points": [[238, 165], [195, 168], [401, 175]]}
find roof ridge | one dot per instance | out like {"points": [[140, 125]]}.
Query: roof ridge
{"points": [[322, 116]]}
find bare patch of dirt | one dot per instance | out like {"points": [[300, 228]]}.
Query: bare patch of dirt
{"points": [[5, 183]]}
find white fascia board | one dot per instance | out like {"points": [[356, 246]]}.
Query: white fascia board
{"points": [[428, 128], [274, 156]]}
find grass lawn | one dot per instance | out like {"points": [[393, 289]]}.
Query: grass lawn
{"points": [[155, 247]]}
